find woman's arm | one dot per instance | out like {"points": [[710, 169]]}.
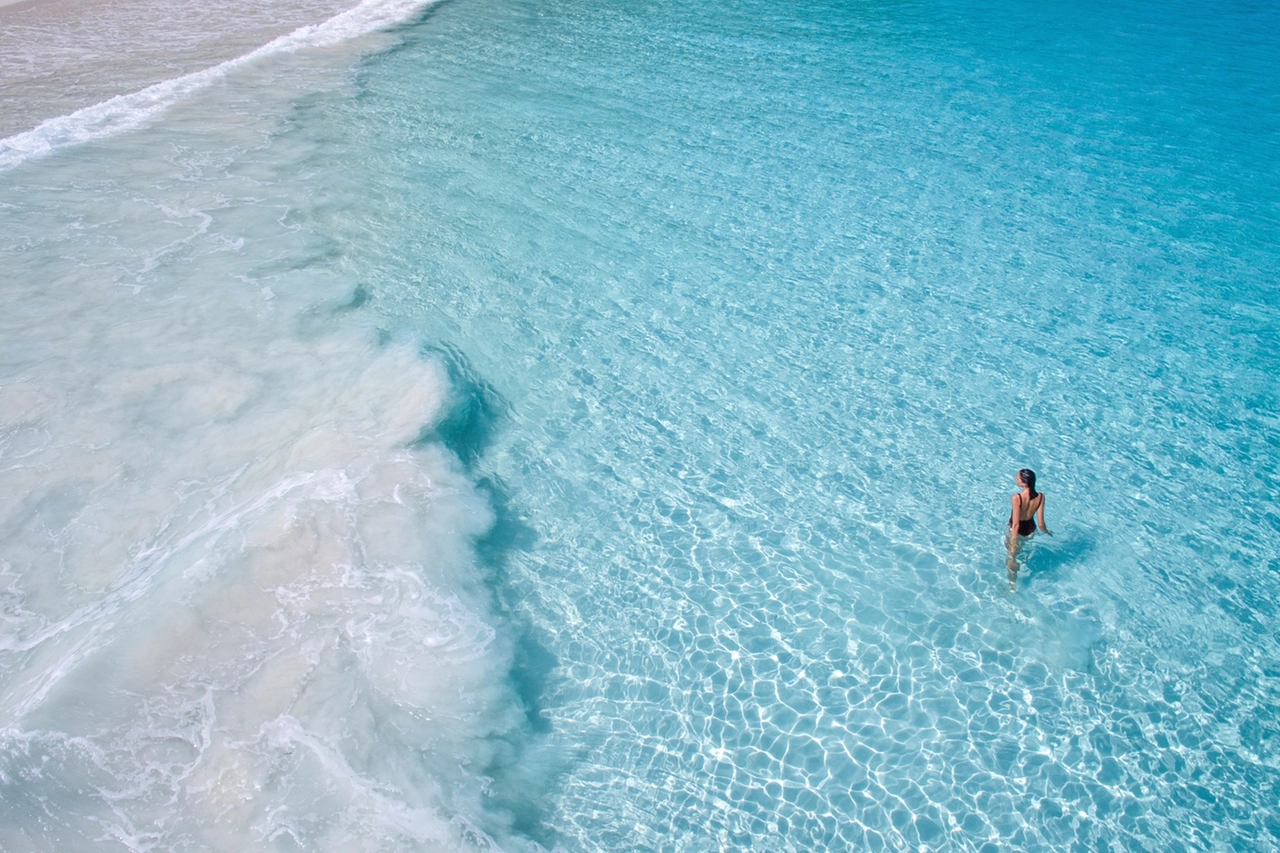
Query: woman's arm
{"points": [[1040, 516], [1015, 515]]}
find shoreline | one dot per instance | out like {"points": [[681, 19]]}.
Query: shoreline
{"points": [[60, 56]]}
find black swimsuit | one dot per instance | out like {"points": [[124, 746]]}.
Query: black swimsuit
{"points": [[1027, 527]]}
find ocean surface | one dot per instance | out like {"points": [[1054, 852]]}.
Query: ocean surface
{"points": [[590, 426]]}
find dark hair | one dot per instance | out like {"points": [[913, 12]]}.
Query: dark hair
{"points": [[1028, 478]]}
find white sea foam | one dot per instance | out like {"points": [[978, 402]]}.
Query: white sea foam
{"points": [[126, 112], [239, 599]]}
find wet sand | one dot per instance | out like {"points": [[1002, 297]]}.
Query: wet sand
{"points": [[11, 4]]}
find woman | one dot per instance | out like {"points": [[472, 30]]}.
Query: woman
{"points": [[1027, 512]]}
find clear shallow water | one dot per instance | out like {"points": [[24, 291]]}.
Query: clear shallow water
{"points": [[748, 314]]}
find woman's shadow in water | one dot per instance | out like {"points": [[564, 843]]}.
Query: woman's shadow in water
{"points": [[1045, 557], [1062, 637], [476, 409]]}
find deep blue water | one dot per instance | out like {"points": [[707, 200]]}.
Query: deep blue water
{"points": [[750, 311]]}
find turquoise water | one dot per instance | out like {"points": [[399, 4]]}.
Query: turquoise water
{"points": [[592, 426]]}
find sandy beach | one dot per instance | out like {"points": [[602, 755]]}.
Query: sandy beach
{"points": [[10, 4], [58, 56]]}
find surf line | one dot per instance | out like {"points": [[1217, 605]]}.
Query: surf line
{"points": [[126, 112]]}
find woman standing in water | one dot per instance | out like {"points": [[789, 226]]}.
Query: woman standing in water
{"points": [[1027, 512]]}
